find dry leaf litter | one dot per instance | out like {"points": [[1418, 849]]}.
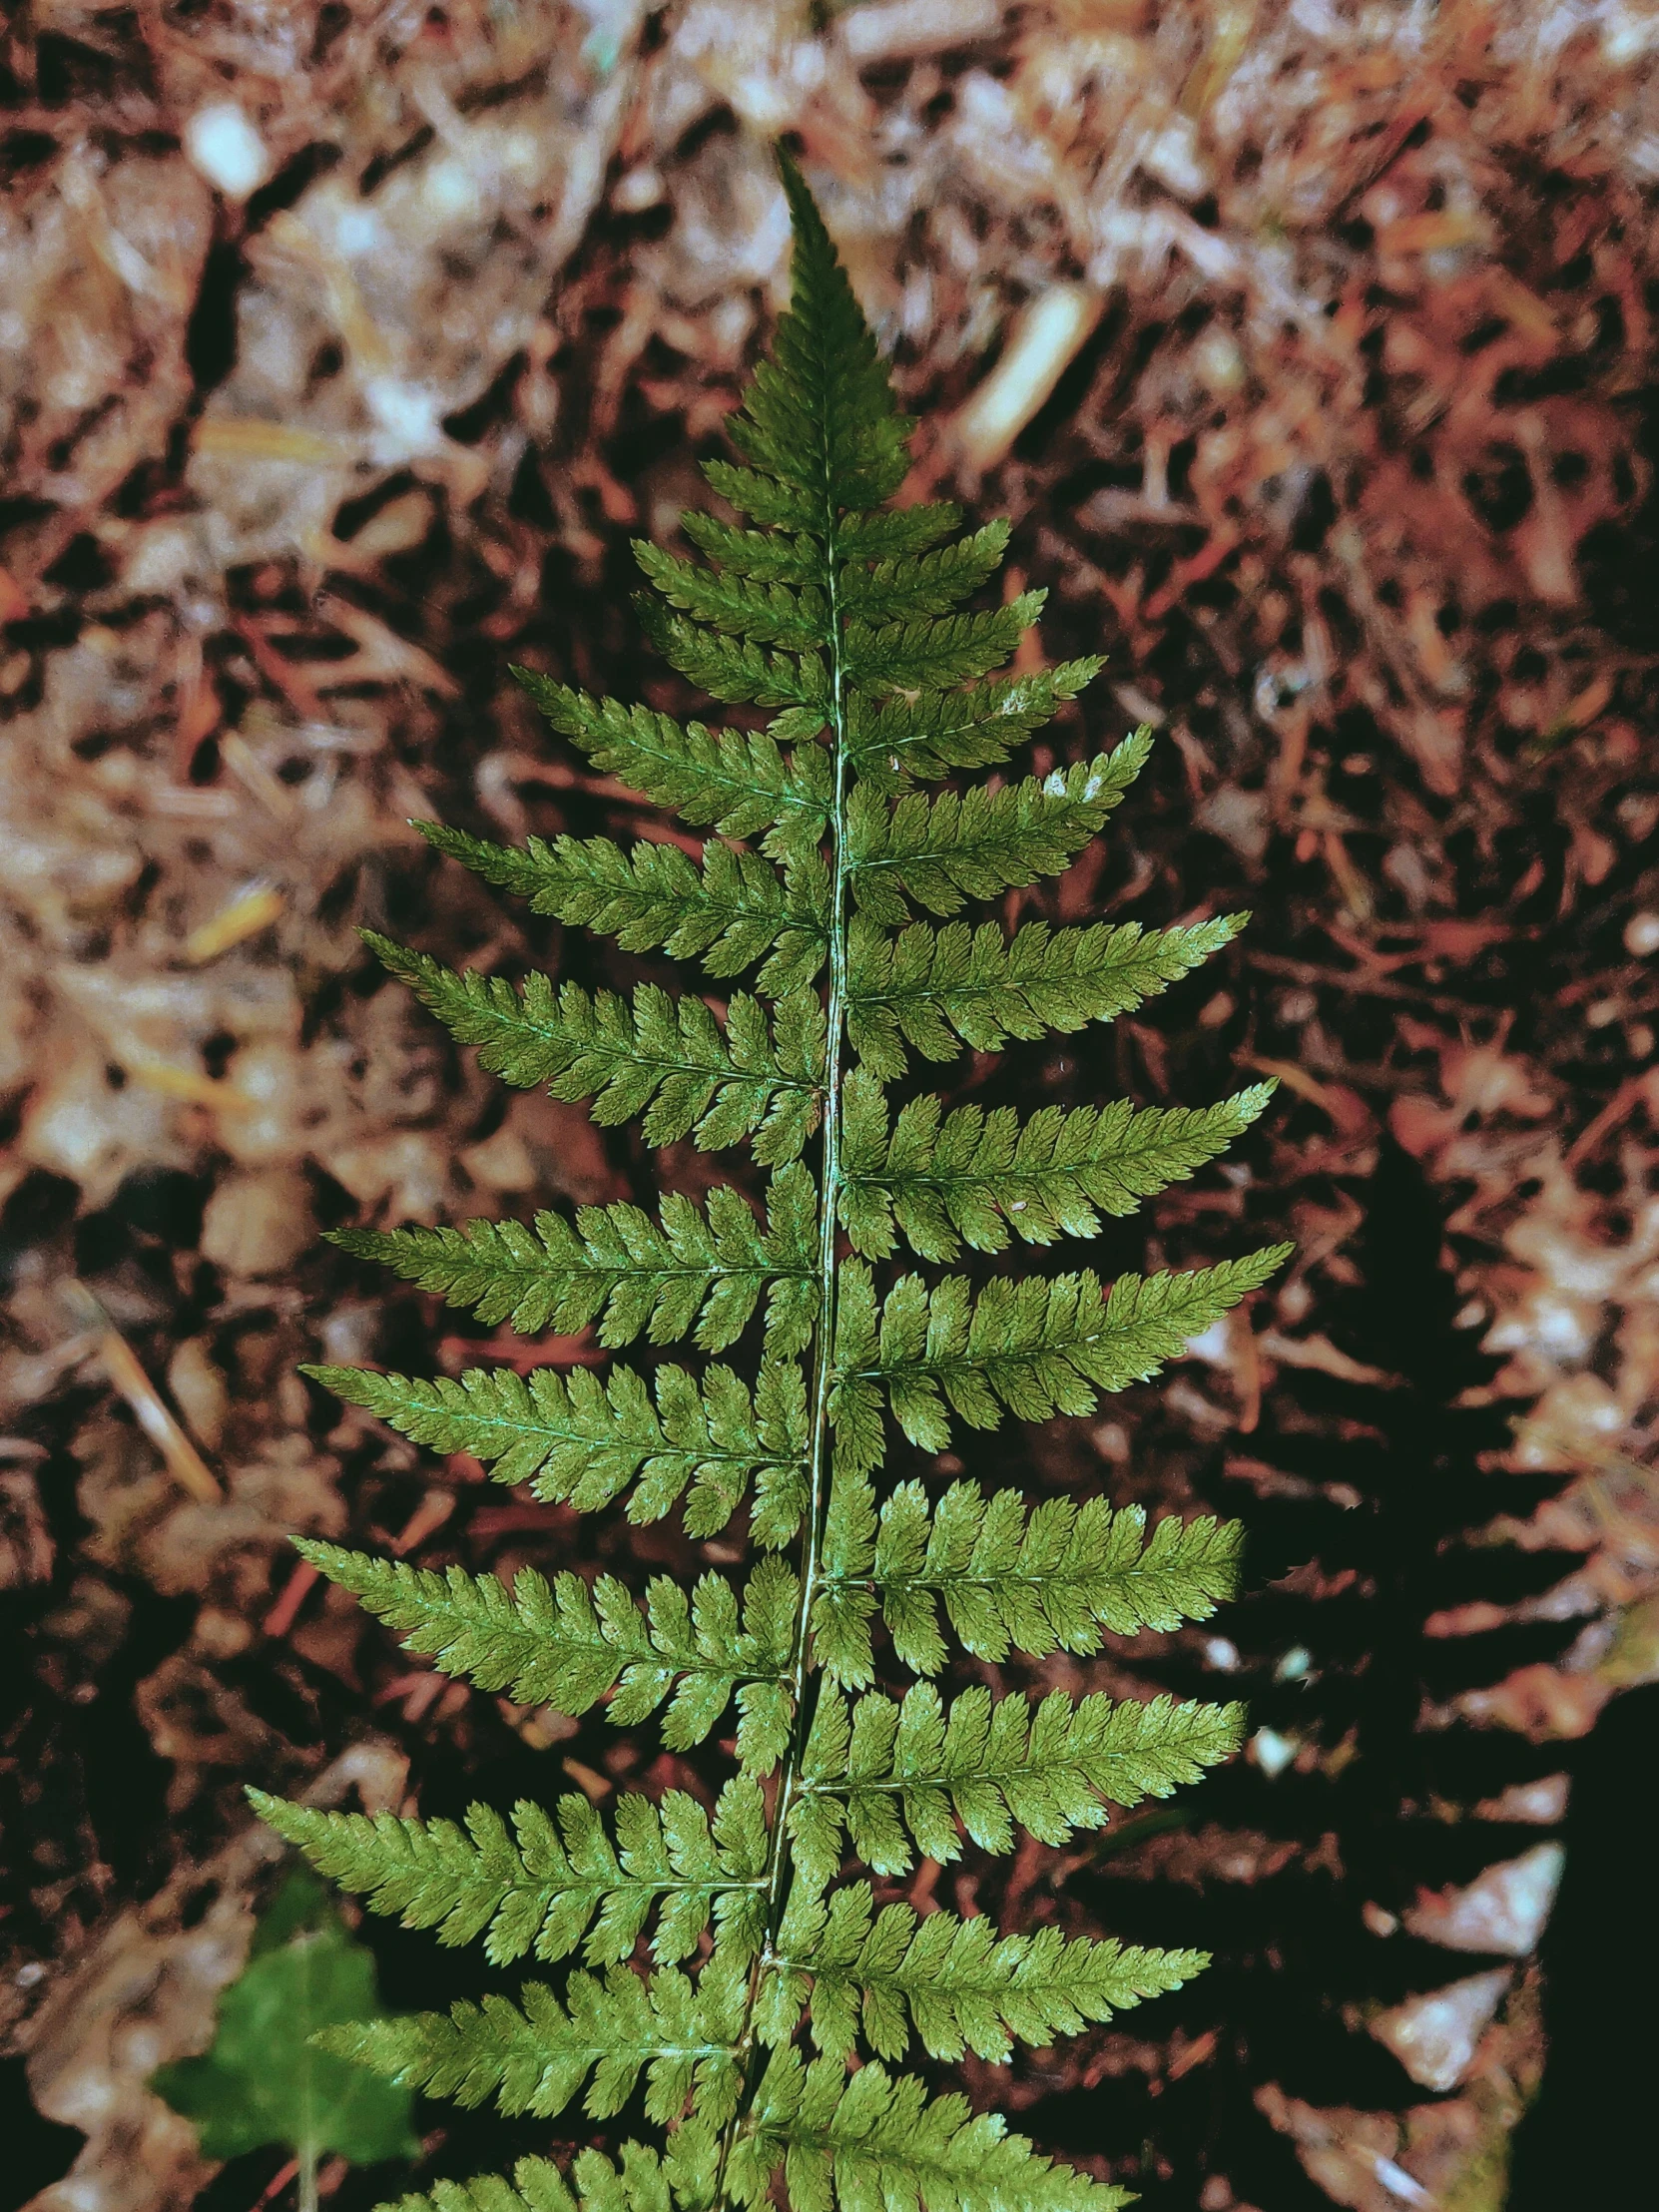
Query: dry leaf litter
{"points": [[343, 349]]}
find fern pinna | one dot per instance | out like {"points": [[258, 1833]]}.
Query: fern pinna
{"points": [[785, 1989]]}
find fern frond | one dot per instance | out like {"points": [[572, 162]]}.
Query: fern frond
{"points": [[763, 556], [569, 1647], [897, 533], [929, 655], [981, 1179], [539, 1886], [729, 913], [666, 1057], [960, 1984], [938, 989], [876, 2140], [820, 417], [1035, 1346], [579, 1440], [794, 616], [695, 1270], [1046, 1581], [678, 2034], [927, 737], [927, 582], [853, 624], [737, 781], [733, 669], [980, 844], [775, 505], [641, 2184], [767, 588], [897, 1778]]}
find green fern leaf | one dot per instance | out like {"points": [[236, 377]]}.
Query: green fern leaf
{"points": [[738, 781], [820, 417], [982, 1179], [776, 506], [666, 1057], [875, 2140], [554, 1878], [1052, 1580], [938, 989], [980, 844], [960, 1984], [679, 2034], [733, 669], [762, 556], [777, 558], [1033, 1347], [852, 623], [896, 1776], [927, 582], [928, 656], [897, 533], [892, 740], [730, 915], [575, 1439], [639, 2184], [769, 613], [695, 1271], [569, 1647]]}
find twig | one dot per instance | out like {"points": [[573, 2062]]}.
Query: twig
{"points": [[253, 909], [295, 1589], [1623, 1103], [1045, 340], [295, 688], [276, 2184], [189, 1086], [184, 1463], [1366, 986]]}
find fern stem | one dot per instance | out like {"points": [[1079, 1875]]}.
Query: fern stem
{"points": [[778, 1854]]}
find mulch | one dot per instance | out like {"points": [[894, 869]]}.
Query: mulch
{"points": [[344, 348]]}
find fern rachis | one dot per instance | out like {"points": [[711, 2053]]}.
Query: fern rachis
{"points": [[771, 1961]]}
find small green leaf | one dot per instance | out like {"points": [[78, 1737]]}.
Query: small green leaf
{"points": [[569, 1645], [693, 1269], [737, 780], [573, 1436], [541, 1887], [984, 1179], [880, 2140], [594, 2185], [668, 1058], [938, 989], [978, 844], [729, 913], [536, 2055], [897, 1774], [263, 2080], [931, 733], [960, 1984]]}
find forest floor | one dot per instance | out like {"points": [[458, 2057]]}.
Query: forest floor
{"points": [[343, 349]]}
